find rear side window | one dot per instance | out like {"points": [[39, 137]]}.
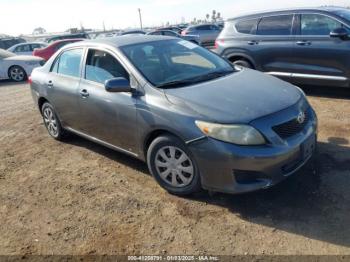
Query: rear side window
{"points": [[23, 48], [276, 25], [68, 63], [314, 24], [247, 26], [101, 66], [204, 27]]}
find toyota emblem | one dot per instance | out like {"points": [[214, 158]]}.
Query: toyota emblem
{"points": [[301, 117]]}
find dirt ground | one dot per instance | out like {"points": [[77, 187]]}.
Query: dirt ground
{"points": [[81, 198]]}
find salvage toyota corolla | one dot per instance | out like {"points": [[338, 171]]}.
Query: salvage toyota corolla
{"points": [[195, 119]]}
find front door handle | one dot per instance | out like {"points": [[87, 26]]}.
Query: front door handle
{"points": [[84, 93], [253, 42], [303, 43]]}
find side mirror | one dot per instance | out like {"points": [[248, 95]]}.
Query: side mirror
{"points": [[117, 85], [340, 32]]}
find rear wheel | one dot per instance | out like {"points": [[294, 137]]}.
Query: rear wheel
{"points": [[51, 121], [17, 73], [173, 166]]}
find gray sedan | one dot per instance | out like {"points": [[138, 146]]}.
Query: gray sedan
{"points": [[197, 121]]}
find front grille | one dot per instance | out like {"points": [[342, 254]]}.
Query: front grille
{"points": [[291, 127]]}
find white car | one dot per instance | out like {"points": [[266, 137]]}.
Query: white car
{"points": [[17, 67], [26, 48]]}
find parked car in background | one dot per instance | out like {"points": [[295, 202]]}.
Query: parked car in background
{"points": [[171, 28], [17, 67], [48, 51], [133, 32], [303, 46], [68, 36], [206, 32], [26, 48], [195, 119], [8, 41], [192, 38]]}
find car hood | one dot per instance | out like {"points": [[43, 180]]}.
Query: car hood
{"points": [[23, 58], [240, 97]]}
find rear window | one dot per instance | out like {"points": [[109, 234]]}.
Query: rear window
{"points": [[247, 26], [276, 25]]}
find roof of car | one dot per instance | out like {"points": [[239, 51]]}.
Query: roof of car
{"points": [[281, 11], [125, 40]]}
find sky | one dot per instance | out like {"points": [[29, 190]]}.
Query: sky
{"points": [[22, 16]]}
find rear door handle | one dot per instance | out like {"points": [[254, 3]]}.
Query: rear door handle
{"points": [[253, 42], [50, 84], [303, 43], [84, 93]]}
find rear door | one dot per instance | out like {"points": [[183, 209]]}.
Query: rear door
{"points": [[319, 58], [207, 34], [273, 44], [62, 86]]}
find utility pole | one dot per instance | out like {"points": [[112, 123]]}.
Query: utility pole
{"points": [[140, 17]]}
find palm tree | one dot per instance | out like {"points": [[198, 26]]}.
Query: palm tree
{"points": [[214, 16]]}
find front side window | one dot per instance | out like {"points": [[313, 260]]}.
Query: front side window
{"points": [[101, 66], [276, 25], [171, 63], [314, 24], [68, 63], [247, 26]]}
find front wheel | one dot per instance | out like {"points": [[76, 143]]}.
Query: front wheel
{"points": [[173, 166], [17, 74], [51, 121], [242, 63]]}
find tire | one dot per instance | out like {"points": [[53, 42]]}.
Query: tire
{"points": [[173, 166], [242, 63], [51, 122], [17, 74]]}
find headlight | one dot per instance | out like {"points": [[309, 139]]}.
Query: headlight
{"points": [[236, 134]]}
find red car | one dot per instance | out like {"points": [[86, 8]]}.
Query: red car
{"points": [[48, 51]]}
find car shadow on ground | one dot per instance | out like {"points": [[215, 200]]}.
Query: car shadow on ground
{"points": [[313, 203], [121, 158], [327, 92], [6, 83]]}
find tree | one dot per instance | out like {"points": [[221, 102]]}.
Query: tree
{"points": [[39, 31], [207, 17]]}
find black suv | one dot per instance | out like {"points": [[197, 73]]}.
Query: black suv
{"points": [[304, 46]]}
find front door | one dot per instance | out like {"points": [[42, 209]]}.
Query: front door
{"points": [[110, 117], [319, 58]]}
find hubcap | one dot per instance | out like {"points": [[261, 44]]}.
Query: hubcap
{"points": [[17, 74], [50, 122], [174, 166]]}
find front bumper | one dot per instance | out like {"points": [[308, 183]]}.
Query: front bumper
{"points": [[236, 169]]}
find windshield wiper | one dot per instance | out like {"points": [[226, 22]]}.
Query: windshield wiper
{"points": [[177, 83], [196, 79], [213, 75]]}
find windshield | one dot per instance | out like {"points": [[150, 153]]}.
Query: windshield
{"points": [[5, 54], [344, 14], [175, 63]]}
